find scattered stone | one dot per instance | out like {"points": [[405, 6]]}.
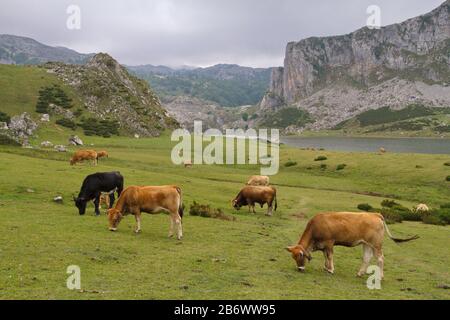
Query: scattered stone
{"points": [[3, 126], [58, 199], [45, 117], [46, 144], [75, 140], [29, 190], [60, 148], [21, 128], [136, 136]]}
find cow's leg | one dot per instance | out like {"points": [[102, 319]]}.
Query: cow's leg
{"points": [[367, 256], [172, 223], [97, 204], [380, 259], [329, 264], [112, 198], [137, 216], [269, 209], [179, 227]]}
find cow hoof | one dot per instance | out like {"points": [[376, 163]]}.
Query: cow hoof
{"points": [[112, 229], [170, 236], [137, 231], [329, 271]]}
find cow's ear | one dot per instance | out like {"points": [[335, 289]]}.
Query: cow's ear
{"points": [[290, 248]]}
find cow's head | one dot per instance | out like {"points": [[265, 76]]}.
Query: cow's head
{"points": [[235, 203], [300, 255], [114, 217], [80, 203]]}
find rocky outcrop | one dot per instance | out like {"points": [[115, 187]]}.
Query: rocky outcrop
{"points": [[75, 141], [110, 92], [343, 75], [21, 127]]}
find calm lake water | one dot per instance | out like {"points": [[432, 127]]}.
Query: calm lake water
{"points": [[401, 145]]}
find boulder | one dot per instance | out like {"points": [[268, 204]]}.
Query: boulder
{"points": [[21, 128], [46, 144], [75, 140], [3, 126], [45, 117], [60, 148], [58, 199]]}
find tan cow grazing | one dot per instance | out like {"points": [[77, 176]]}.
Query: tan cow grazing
{"points": [[250, 195], [82, 155], [102, 154], [150, 199], [348, 229], [421, 208], [258, 181]]}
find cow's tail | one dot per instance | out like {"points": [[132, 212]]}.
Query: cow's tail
{"points": [[180, 205], [397, 240]]}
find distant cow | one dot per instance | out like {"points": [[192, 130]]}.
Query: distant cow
{"points": [[348, 229], [102, 154], [82, 155], [258, 181], [250, 195], [150, 199], [382, 150], [92, 187]]}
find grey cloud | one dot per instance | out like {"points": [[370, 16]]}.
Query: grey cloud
{"points": [[196, 32]]}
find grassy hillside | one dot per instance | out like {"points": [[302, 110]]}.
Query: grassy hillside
{"points": [[20, 85], [216, 259]]}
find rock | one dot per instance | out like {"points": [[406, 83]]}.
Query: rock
{"points": [[60, 148], [58, 199], [443, 286], [21, 128], [46, 144], [29, 190], [75, 140], [55, 109], [3, 126], [136, 136], [45, 117]]}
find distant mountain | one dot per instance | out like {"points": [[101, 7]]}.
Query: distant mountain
{"points": [[224, 84], [22, 50], [335, 78]]}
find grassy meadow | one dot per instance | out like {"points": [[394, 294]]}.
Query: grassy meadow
{"points": [[217, 259]]}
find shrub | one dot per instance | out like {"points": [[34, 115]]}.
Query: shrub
{"points": [[67, 123], [320, 158], [365, 207], [391, 216], [290, 163], [447, 178], [447, 164], [445, 206], [433, 217], [5, 140], [4, 117], [104, 128], [205, 210], [409, 215], [389, 203], [341, 167], [323, 166]]}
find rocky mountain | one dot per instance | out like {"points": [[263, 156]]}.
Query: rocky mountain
{"points": [[22, 50], [223, 84], [336, 78], [109, 92]]}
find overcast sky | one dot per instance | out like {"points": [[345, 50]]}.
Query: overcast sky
{"points": [[196, 32]]}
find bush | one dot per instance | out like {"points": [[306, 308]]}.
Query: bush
{"points": [[205, 210], [447, 164], [365, 207], [447, 178], [341, 167], [67, 123], [4, 117], [433, 217], [104, 128], [409, 215], [389, 203], [5, 140], [321, 158], [391, 216], [445, 206], [290, 163]]}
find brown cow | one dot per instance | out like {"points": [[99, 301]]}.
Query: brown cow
{"points": [[150, 199], [102, 154], [82, 155], [258, 181], [250, 195], [347, 229]]}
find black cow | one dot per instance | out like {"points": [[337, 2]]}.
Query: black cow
{"points": [[92, 187]]}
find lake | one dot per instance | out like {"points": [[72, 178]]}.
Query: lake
{"points": [[400, 145]]}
